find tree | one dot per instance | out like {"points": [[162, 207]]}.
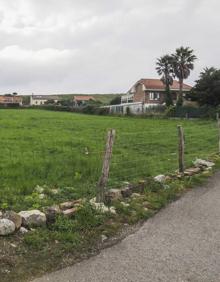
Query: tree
{"points": [[50, 102], [165, 69], [26, 100], [116, 100], [207, 88], [182, 62]]}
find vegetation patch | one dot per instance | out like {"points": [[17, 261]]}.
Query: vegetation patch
{"points": [[49, 158]]}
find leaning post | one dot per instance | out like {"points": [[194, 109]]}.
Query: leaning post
{"points": [[105, 167], [181, 148]]}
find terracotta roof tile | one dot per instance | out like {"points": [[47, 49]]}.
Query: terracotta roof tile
{"points": [[83, 98], [157, 84]]}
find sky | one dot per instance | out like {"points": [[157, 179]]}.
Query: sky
{"points": [[100, 46]]}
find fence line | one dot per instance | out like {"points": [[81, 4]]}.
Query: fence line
{"points": [[79, 163]]}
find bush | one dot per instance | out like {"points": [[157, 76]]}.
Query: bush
{"points": [[191, 112]]}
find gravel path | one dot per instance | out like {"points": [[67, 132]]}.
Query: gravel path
{"points": [[180, 244]]}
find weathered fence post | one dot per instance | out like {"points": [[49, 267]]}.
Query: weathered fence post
{"points": [[105, 167], [181, 148], [218, 123]]}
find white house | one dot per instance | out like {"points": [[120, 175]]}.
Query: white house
{"points": [[38, 100]]}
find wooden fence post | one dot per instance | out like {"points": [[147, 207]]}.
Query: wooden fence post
{"points": [[218, 123], [105, 167], [181, 148]]}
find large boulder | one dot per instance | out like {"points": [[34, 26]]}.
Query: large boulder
{"points": [[15, 217], [6, 227], [33, 218]]}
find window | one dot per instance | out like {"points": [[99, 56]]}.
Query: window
{"points": [[154, 96]]}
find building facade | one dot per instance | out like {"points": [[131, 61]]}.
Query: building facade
{"points": [[146, 93], [82, 100], [10, 100], [39, 100]]}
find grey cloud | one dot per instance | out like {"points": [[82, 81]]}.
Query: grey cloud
{"points": [[99, 46]]}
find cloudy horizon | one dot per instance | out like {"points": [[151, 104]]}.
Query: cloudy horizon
{"points": [[99, 46]]}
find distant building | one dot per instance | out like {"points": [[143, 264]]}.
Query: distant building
{"points": [[38, 100], [146, 93], [81, 100], [10, 100]]}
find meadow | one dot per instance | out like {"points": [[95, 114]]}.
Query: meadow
{"points": [[65, 150]]}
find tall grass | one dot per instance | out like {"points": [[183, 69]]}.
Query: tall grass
{"points": [[65, 150]]}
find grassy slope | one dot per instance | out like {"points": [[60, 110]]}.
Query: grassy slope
{"points": [[104, 98], [40, 147]]}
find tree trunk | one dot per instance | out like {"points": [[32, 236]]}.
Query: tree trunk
{"points": [[180, 97], [169, 100]]}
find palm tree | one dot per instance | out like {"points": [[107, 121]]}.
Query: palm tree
{"points": [[207, 72], [164, 68], [182, 62]]}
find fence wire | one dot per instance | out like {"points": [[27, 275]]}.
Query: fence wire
{"points": [[77, 162]]}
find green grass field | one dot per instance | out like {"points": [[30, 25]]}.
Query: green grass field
{"points": [[65, 150]]}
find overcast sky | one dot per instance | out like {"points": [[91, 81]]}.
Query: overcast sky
{"points": [[99, 46]]}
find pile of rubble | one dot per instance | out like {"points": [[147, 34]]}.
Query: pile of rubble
{"points": [[24, 221]]}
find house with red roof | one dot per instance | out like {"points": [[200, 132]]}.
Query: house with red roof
{"points": [[80, 100], [146, 93], [10, 100]]}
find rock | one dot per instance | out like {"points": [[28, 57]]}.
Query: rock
{"points": [[135, 195], [208, 169], [146, 204], [70, 204], [200, 162], [206, 172], [23, 230], [179, 175], [42, 196], [113, 195], [103, 238], [102, 207], [39, 189], [33, 218], [160, 178], [125, 204], [54, 191], [168, 178], [13, 245], [51, 213], [126, 192], [66, 205], [6, 227], [14, 217], [191, 171], [112, 210], [70, 212], [99, 206], [126, 183]]}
